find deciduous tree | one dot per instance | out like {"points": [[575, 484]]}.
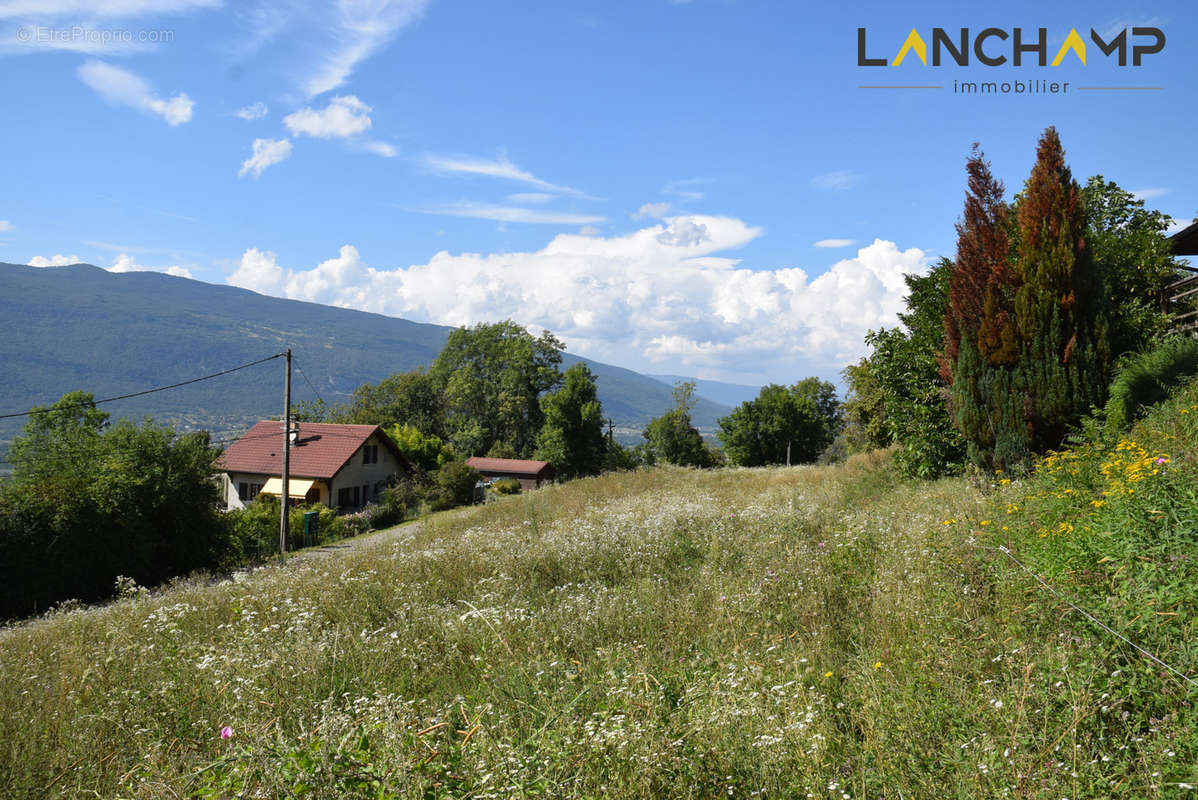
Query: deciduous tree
{"points": [[796, 422], [672, 438], [491, 377], [572, 437]]}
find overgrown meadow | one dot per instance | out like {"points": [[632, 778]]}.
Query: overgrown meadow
{"points": [[827, 632]]}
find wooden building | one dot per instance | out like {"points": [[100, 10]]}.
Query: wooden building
{"points": [[531, 474]]}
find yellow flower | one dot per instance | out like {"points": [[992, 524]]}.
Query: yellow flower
{"points": [[828, 674], [985, 522], [878, 665]]}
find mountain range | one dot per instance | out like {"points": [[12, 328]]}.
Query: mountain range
{"points": [[82, 327]]}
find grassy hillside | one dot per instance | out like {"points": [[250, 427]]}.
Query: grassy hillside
{"points": [[822, 632], [82, 327]]}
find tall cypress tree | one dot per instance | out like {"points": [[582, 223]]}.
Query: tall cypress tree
{"points": [[1025, 335], [976, 288], [1062, 323], [981, 343]]}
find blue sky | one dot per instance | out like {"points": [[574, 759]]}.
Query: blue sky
{"points": [[678, 187]]}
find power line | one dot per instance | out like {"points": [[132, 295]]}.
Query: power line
{"points": [[66, 454], [137, 394], [1003, 549], [305, 377]]}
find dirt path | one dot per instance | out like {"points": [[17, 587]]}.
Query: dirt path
{"points": [[357, 542]]}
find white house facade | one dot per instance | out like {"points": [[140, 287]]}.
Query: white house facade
{"points": [[340, 466]]}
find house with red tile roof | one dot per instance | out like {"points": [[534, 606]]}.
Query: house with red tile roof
{"points": [[341, 466], [531, 474]]}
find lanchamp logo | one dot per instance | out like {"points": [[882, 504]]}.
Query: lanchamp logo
{"points": [[1142, 41]]}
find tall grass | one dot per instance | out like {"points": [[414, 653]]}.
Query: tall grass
{"points": [[822, 632], [1148, 377]]}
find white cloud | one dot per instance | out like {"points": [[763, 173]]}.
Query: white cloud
{"points": [[652, 211], [99, 8], [343, 117], [26, 39], [58, 260], [498, 168], [5, 225], [125, 263], [1113, 28], [79, 26], [1178, 225], [837, 181], [1150, 193], [834, 243], [122, 87], [684, 232], [379, 148], [667, 293], [514, 214], [530, 198], [588, 230], [259, 271], [361, 28], [252, 112], [684, 189], [266, 153]]}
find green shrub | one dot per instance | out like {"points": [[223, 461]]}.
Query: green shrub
{"points": [[89, 501], [254, 530], [401, 499], [356, 523], [330, 528], [454, 485], [506, 486], [1147, 378], [384, 513]]}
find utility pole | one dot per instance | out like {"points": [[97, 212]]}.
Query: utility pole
{"points": [[286, 457], [788, 453]]}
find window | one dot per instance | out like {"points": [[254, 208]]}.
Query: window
{"points": [[343, 498], [248, 491], [370, 454]]}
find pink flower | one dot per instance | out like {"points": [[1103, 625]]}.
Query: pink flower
{"points": [[1160, 461], [226, 732]]}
